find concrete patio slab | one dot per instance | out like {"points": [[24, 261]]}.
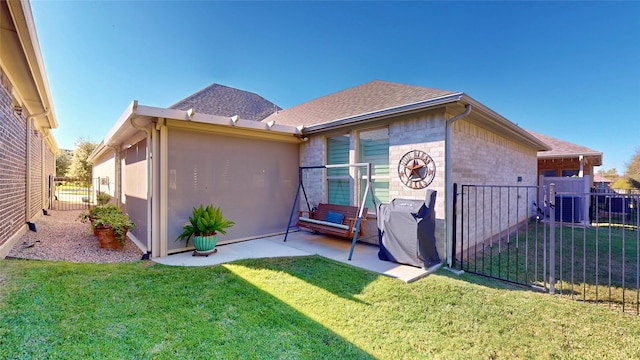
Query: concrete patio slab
{"points": [[301, 243]]}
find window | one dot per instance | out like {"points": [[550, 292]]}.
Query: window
{"points": [[569, 173], [338, 179], [373, 148]]}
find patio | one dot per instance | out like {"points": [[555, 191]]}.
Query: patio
{"points": [[301, 243]]}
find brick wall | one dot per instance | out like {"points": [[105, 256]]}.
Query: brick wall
{"points": [[12, 165], [478, 156], [425, 132], [481, 157]]}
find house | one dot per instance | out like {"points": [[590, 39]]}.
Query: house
{"points": [[181, 158], [214, 99], [383, 123], [601, 182], [163, 162], [222, 100], [27, 144], [570, 168], [565, 159]]}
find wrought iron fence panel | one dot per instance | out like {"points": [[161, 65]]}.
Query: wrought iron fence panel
{"points": [[584, 246]]}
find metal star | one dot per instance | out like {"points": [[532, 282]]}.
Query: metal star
{"points": [[414, 169]]}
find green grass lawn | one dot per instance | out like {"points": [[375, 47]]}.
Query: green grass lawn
{"points": [[290, 308]]}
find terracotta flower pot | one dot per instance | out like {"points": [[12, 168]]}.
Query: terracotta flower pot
{"points": [[107, 238]]}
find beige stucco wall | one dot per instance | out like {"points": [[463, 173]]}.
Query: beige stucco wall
{"points": [[105, 169]]}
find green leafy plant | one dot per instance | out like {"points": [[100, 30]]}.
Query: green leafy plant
{"points": [[109, 216], [102, 198], [96, 211], [205, 221]]}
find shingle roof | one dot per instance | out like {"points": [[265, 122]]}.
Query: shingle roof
{"points": [[222, 100], [561, 148], [600, 179], [366, 98]]}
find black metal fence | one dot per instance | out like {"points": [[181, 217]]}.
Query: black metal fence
{"points": [[71, 193], [582, 246]]}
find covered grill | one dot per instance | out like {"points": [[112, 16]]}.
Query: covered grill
{"points": [[406, 231]]}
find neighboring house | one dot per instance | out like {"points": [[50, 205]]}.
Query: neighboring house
{"points": [[251, 168], [565, 159], [601, 182], [570, 168], [27, 145]]}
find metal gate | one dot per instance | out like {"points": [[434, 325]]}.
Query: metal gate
{"points": [[68, 193], [581, 245]]}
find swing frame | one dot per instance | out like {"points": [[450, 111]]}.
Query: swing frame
{"points": [[368, 189]]}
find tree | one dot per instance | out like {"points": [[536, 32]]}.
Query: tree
{"points": [[633, 170], [80, 167], [621, 183], [63, 162], [611, 174]]}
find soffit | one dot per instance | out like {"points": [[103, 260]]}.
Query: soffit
{"points": [[22, 63]]}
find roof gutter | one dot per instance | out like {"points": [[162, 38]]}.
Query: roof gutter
{"points": [[448, 183]]}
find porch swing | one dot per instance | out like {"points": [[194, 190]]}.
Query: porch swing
{"points": [[339, 220]]}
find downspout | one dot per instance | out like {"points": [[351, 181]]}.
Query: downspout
{"points": [[30, 118], [448, 184], [44, 171], [149, 153], [156, 200], [164, 188]]}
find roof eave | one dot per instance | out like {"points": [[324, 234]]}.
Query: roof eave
{"points": [[506, 125], [384, 113], [123, 129], [25, 28], [595, 154]]}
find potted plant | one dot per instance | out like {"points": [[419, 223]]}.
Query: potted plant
{"points": [[109, 224], [203, 228], [102, 198]]}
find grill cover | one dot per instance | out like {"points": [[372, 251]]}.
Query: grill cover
{"points": [[406, 231]]}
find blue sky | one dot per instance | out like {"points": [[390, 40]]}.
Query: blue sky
{"points": [[570, 70]]}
